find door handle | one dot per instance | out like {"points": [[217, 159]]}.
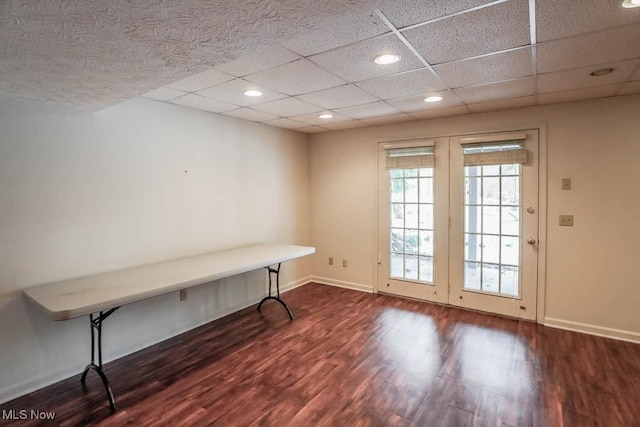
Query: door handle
{"points": [[531, 241]]}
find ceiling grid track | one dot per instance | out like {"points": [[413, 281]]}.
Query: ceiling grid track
{"points": [[417, 54], [534, 45]]}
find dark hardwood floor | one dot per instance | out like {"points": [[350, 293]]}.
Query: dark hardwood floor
{"points": [[356, 359]]}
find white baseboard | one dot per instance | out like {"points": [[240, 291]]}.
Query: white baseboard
{"points": [[600, 331], [342, 284], [296, 284]]}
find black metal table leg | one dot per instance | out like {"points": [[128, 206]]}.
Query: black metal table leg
{"points": [[275, 271], [96, 327]]}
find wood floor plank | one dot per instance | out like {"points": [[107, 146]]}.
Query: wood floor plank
{"points": [[356, 359]]}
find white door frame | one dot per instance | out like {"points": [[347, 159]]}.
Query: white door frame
{"points": [[542, 200]]}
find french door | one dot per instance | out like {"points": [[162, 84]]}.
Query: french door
{"points": [[413, 213], [462, 231]]}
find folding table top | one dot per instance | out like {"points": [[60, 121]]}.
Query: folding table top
{"points": [[85, 295]]}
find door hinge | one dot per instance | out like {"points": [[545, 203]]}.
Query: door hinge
{"points": [[379, 260]]}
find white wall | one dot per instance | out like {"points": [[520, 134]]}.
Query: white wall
{"points": [[140, 182], [592, 273]]}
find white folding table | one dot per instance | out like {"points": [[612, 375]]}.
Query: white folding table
{"points": [[102, 294]]}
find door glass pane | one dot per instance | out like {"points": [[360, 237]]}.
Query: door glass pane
{"points": [[397, 190], [510, 220], [491, 249], [510, 250], [472, 247], [397, 265], [411, 216], [426, 269], [473, 218], [492, 229], [490, 277], [473, 187], [411, 232], [411, 241], [426, 242], [490, 191], [472, 274], [491, 170], [509, 280], [509, 193], [491, 219], [426, 217], [411, 190], [397, 240], [411, 267], [426, 190], [397, 215]]}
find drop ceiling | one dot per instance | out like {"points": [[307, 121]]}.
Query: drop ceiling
{"points": [[312, 57]]}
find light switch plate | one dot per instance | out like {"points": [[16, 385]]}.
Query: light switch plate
{"points": [[566, 220], [566, 183]]}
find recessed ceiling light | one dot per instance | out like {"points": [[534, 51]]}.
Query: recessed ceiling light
{"points": [[253, 93], [434, 98], [326, 116], [386, 59], [631, 3], [603, 71]]}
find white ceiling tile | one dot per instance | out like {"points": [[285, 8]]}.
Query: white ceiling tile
{"points": [[563, 18], [589, 49], [346, 30], [403, 85], [580, 78], [492, 29], [355, 61], [201, 103], [295, 78], [314, 119], [312, 129], [578, 94], [352, 124], [365, 111], [494, 91], [503, 104], [163, 94], [385, 120], [287, 107], [233, 92], [201, 80], [338, 97], [265, 58], [250, 114], [630, 88], [487, 69], [416, 103], [403, 13], [286, 123], [441, 112]]}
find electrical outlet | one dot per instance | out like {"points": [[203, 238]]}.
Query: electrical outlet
{"points": [[183, 294], [565, 220], [330, 260], [344, 262]]}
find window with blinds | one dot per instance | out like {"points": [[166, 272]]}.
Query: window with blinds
{"points": [[410, 158]]}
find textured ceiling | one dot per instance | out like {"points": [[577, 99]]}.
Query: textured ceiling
{"points": [[315, 56], [92, 53]]}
